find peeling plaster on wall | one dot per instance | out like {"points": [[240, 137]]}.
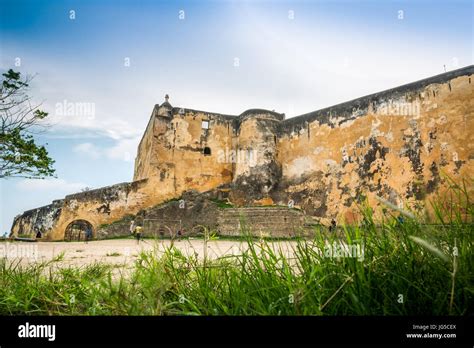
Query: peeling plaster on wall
{"points": [[395, 144]]}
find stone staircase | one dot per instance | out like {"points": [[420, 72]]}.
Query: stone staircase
{"points": [[262, 221]]}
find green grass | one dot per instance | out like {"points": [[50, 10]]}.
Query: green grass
{"points": [[222, 204], [409, 268]]}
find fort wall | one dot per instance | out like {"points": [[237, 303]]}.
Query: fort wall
{"points": [[398, 144]]}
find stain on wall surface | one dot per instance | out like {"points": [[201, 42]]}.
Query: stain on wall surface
{"points": [[398, 144]]}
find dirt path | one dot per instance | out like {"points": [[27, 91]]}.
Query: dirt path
{"points": [[118, 251]]}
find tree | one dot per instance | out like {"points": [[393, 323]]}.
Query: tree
{"points": [[20, 156]]}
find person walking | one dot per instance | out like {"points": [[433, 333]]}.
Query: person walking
{"points": [[132, 227], [138, 232], [88, 234]]}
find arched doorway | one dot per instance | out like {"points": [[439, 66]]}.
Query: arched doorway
{"points": [[76, 230]]}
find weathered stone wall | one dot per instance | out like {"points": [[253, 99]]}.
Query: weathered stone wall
{"points": [[257, 170], [145, 149], [396, 144], [194, 211], [262, 222], [174, 150], [40, 220], [100, 206]]}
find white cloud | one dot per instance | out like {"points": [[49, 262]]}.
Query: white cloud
{"points": [[57, 185], [84, 110], [123, 149], [88, 149], [71, 126]]}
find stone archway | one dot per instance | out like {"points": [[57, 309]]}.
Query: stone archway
{"points": [[76, 230]]}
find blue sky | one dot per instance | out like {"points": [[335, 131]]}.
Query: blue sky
{"points": [[293, 57]]}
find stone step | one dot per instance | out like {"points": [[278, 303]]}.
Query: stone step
{"points": [[272, 221]]}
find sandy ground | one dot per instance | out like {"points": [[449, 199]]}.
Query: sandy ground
{"points": [[119, 251]]}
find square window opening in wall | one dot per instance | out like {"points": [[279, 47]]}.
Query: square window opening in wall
{"points": [[207, 151], [205, 124]]}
